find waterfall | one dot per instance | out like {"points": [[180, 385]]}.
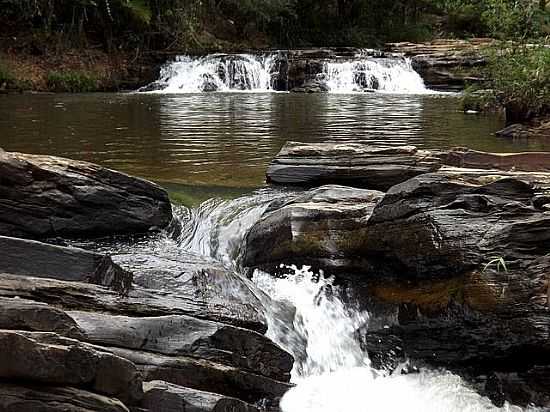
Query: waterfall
{"points": [[280, 71], [368, 74], [216, 72]]}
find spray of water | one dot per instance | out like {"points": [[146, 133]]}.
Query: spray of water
{"points": [[333, 374], [386, 75]]}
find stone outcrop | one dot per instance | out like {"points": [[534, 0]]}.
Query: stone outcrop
{"points": [[354, 164], [32, 258], [47, 196], [445, 64], [454, 265], [323, 228]]}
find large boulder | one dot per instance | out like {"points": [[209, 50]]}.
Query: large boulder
{"points": [[323, 228], [47, 196], [33, 258], [355, 164]]}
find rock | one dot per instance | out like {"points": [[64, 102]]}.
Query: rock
{"points": [[447, 65], [312, 86], [162, 396], [514, 131], [191, 301], [46, 196], [32, 258], [16, 313], [323, 228], [26, 357], [360, 165], [528, 161], [183, 335], [41, 398], [442, 224], [204, 375]]}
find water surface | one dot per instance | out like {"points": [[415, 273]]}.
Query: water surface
{"points": [[226, 140]]}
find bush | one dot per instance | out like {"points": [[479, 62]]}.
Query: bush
{"points": [[71, 82]]}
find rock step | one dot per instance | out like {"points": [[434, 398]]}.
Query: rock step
{"points": [[32, 258]]}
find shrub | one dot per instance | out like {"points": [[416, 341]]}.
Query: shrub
{"points": [[71, 81]]}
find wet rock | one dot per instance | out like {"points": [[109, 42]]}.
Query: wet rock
{"points": [[16, 313], [204, 375], [184, 335], [312, 86], [323, 228], [514, 131], [440, 224], [40, 398], [473, 159], [360, 165], [32, 258], [164, 396], [26, 357], [47, 196], [139, 301]]}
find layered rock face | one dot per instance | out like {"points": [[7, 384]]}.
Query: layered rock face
{"points": [[80, 332], [47, 196], [452, 263]]}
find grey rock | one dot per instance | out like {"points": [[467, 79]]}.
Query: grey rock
{"points": [[47, 196], [139, 301], [32, 258], [160, 396], [356, 164], [16, 313], [204, 375], [41, 398], [323, 228], [51, 359], [184, 335]]}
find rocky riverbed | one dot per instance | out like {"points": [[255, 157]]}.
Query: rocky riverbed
{"points": [[447, 251]]}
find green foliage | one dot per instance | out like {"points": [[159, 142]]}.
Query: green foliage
{"points": [[520, 78], [499, 263], [71, 82]]}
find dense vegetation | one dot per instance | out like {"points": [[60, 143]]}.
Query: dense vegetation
{"points": [[181, 24]]}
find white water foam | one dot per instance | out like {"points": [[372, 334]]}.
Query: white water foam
{"points": [[216, 72], [333, 374], [384, 75]]}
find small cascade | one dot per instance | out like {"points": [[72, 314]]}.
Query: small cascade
{"points": [[284, 71], [369, 74], [216, 72]]}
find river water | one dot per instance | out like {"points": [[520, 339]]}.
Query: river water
{"points": [[211, 151]]}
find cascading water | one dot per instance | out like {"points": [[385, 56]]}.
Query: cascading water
{"points": [[389, 75], [217, 72], [307, 317], [272, 72]]}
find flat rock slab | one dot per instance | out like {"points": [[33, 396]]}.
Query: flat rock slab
{"points": [[473, 159], [184, 335], [47, 196], [355, 164], [323, 228], [33, 258], [204, 375], [41, 398], [163, 396], [138, 302]]}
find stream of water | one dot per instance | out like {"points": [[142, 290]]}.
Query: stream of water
{"points": [[210, 150]]}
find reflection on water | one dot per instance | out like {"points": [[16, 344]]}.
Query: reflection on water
{"points": [[227, 140]]}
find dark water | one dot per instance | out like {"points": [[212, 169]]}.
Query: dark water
{"points": [[225, 141]]}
